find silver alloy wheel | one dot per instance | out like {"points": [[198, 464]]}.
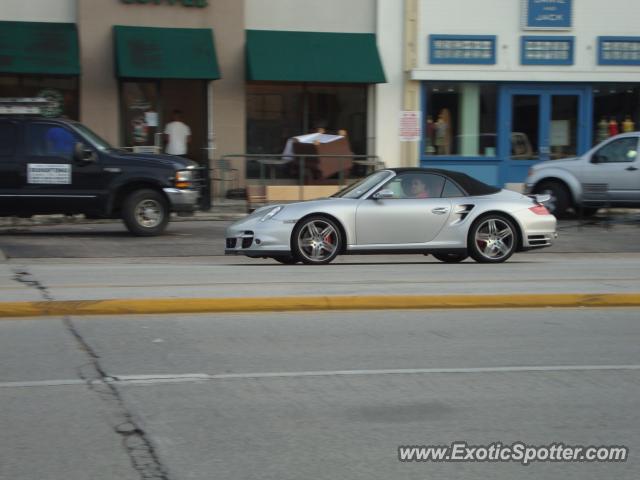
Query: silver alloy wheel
{"points": [[149, 213], [317, 240], [495, 239]]}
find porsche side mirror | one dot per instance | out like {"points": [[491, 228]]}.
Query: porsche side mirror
{"points": [[382, 194]]}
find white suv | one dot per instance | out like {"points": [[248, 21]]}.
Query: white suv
{"points": [[608, 174]]}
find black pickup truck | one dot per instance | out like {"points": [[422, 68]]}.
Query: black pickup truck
{"points": [[60, 166]]}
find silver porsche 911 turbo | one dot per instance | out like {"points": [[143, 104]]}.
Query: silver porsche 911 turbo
{"points": [[403, 210]]}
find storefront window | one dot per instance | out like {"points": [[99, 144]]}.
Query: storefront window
{"points": [[277, 112], [460, 119], [148, 105], [616, 109], [274, 114], [61, 92], [140, 113]]}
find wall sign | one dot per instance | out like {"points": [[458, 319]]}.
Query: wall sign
{"points": [[410, 125], [546, 14], [186, 3]]}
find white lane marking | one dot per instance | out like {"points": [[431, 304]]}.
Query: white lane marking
{"points": [[199, 377]]}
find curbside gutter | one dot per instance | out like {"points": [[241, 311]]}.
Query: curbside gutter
{"points": [[319, 303]]}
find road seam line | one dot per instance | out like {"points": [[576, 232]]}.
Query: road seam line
{"points": [[199, 377]]}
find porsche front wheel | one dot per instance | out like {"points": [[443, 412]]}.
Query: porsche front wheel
{"points": [[316, 240]]}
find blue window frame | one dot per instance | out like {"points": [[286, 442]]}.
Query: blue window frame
{"points": [[618, 50], [538, 50], [462, 49]]}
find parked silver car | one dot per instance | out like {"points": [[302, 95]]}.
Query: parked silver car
{"points": [[425, 211], [608, 174]]}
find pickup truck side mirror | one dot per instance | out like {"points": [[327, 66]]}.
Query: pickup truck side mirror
{"points": [[83, 154], [598, 158], [382, 194]]}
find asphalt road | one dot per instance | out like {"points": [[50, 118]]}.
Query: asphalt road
{"points": [[323, 396], [206, 238], [215, 277]]}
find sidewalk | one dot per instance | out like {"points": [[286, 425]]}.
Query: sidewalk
{"points": [[221, 210]]}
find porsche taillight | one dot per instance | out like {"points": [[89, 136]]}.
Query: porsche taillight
{"points": [[540, 210]]}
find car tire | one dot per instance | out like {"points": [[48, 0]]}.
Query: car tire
{"points": [[145, 212], [286, 260], [560, 200], [316, 240], [450, 257], [492, 238]]}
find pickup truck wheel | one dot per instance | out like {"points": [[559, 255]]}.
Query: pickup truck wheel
{"points": [[145, 212], [560, 200]]}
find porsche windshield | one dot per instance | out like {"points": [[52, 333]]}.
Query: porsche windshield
{"points": [[361, 187]]}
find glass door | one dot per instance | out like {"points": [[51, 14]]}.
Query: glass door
{"points": [[541, 123]]}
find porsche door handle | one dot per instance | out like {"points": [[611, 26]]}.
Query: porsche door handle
{"points": [[440, 210], [631, 169]]}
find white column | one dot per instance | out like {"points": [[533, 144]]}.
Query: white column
{"points": [[388, 96]]}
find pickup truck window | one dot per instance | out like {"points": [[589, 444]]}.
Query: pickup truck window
{"points": [[93, 137], [49, 140], [622, 150], [7, 139]]}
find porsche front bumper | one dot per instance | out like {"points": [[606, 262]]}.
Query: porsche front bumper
{"points": [[255, 238]]}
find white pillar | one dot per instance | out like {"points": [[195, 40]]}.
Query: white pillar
{"points": [[469, 120]]}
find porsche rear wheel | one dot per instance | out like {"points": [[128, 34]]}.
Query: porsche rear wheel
{"points": [[450, 257], [492, 239], [316, 240]]}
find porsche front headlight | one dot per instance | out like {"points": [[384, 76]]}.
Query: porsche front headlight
{"points": [[271, 213]]}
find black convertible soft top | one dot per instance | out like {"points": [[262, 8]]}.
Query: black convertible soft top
{"points": [[470, 185]]}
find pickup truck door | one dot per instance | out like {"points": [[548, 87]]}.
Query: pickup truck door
{"points": [[53, 181], [9, 166], [617, 164]]}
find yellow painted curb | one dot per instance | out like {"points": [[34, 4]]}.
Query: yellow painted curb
{"points": [[258, 304]]}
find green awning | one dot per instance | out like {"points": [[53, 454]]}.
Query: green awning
{"points": [[313, 57], [39, 48], [150, 52]]}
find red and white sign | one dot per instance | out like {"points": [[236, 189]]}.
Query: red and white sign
{"points": [[410, 126]]}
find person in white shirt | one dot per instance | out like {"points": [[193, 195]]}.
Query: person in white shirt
{"points": [[178, 135]]}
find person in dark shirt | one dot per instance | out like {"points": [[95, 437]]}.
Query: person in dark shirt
{"points": [[60, 141]]}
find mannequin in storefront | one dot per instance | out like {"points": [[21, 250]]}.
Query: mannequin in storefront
{"points": [[429, 133], [613, 127], [178, 135], [442, 134], [603, 130], [628, 125]]}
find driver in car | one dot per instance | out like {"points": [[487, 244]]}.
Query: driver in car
{"points": [[415, 187]]}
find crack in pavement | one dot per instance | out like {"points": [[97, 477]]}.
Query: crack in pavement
{"points": [[24, 277], [137, 444]]}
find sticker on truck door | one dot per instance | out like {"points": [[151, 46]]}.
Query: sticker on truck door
{"points": [[49, 173]]}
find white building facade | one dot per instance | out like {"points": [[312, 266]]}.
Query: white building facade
{"points": [[505, 83]]}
